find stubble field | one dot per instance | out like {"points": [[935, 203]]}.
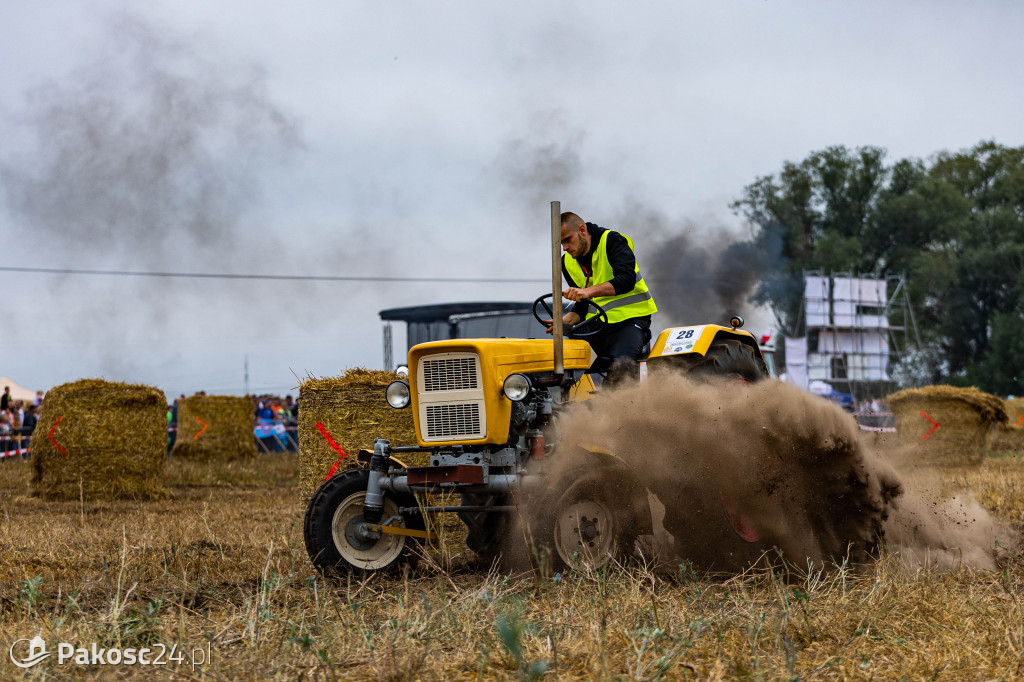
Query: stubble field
{"points": [[219, 566]]}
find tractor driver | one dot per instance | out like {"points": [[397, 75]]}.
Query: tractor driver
{"points": [[599, 264]]}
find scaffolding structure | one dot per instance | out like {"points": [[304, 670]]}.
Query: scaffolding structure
{"points": [[856, 329]]}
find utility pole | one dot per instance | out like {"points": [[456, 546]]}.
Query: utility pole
{"points": [[247, 374]]}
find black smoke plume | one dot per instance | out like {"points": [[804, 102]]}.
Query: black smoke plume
{"points": [[148, 146], [148, 155]]}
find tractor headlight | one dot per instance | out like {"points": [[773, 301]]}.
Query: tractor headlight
{"points": [[516, 387], [398, 394]]}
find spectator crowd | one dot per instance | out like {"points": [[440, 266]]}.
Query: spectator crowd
{"points": [[17, 422], [277, 420]]}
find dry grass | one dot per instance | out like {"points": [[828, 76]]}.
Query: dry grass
{"points": [[221, 560], [1010, 434], [990, 408]]}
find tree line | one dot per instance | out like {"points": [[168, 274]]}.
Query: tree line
{"points": [[953, 226]]}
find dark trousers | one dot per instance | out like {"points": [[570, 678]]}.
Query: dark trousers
{"points": [[620, 347]]}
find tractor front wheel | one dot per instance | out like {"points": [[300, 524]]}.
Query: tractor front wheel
{"points": [[338, 538]]}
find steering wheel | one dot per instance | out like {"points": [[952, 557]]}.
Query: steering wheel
{"points": [[585, 329]]}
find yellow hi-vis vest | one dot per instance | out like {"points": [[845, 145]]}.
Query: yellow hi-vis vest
{"points": [[636, 302]]}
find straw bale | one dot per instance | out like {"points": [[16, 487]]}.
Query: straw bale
{"points": [[966, 417], [228, 434], [1010, 434], [114, 440], [354, 412]]}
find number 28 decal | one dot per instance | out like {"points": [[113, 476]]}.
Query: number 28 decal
{"points": [[681, 339]]}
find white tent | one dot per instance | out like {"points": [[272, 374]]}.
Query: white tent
{"points": [[18, 392]]}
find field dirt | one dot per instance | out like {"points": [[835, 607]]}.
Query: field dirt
{"points": [[219, 565]]}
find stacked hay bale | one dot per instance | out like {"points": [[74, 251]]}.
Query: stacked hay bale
{"points": [[100, 440], [965, 418], [215, 427], [1009, 437], [352, 411]]}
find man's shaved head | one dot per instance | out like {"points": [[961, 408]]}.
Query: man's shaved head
{"points": [[575, 239], [571, 220]]}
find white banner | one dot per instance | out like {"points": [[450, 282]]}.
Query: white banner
{"points": [[796, 361]]}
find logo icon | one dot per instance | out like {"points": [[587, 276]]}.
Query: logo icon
{"points": [[36, 652]]}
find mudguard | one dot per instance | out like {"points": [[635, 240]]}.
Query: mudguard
{"points": [[697, 339]]}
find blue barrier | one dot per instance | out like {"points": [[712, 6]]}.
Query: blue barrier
{"points": [[269, 436]]}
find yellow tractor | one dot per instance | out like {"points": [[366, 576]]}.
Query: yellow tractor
{"points": [[485, 412]]}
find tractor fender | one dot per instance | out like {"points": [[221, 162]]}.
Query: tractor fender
{"points": [[698, 339], [684, 346]]}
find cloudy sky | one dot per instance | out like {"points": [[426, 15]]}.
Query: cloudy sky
{"points": [[424, 140]]}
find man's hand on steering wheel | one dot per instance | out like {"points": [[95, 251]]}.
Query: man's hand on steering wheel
{"points": [[578, 329], [569, 318], [593, 291], [574, 294]]}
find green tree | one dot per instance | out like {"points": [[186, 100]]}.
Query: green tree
{"points": [[954, 227], [973, 272], [820, 212]]}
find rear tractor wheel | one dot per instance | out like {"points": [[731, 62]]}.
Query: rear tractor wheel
{"points": [[729, 359], [587, 526]]}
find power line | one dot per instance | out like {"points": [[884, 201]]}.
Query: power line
{"points": [[305, 278]]}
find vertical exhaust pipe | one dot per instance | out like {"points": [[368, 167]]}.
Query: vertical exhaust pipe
{"points": [[556, 285]]}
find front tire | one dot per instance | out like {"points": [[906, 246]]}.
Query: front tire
{"points": [[332, 528]]}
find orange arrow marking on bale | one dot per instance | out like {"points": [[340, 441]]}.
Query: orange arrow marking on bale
{"points": [[205, 426], [935, 426], [1020, 419], [50, 436], [342, 453]]}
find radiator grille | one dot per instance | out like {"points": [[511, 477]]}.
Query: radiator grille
{"points": [[453, 420], [449, 374]]}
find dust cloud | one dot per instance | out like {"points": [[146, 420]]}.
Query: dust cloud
{"points": [[929, 529], [744, 469]]}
